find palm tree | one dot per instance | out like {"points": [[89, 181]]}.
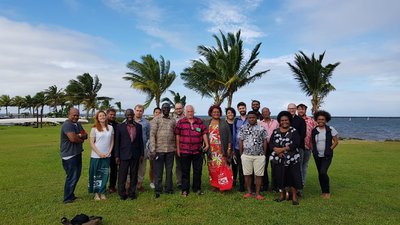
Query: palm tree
{"points": [[151, 77], [39, 101], [119, 106], [29, 104], [176, 99], [5, 101], [18, 102], [84, 90], [313, 78], [105, 104], [54, 97], [222, 70]]}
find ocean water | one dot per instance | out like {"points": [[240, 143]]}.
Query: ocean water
{"points": [[368, 128]]}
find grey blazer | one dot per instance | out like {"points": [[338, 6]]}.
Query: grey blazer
{"points": [[224, 132]]}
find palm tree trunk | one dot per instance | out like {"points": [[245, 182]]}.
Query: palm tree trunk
{"points": [[230, 97], [41, 117]]}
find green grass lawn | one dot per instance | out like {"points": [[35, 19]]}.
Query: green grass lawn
{"points": [[365, 181]]}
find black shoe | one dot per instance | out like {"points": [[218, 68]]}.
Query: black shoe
{"points": [[68, 201], [133, 196], [295, 202], [300, 194], [199, 192], [179, 186], [169, 192], [123, 197], [157, 195], [74, 198], [241, 189]]}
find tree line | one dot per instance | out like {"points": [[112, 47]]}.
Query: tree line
{"points": [[219, 72]]}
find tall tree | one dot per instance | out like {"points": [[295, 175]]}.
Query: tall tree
{"points": [[223, 70], [29, 104], [54, 97], [176, 98], [18, 102], [119, 106], [5, 101], [39, 101], [313, 77], [84, 89], [151, 77], [105, 104]]}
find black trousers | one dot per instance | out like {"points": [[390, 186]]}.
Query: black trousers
{"points": [[265, 180], [113, 172], [287, 176], [323, 164], [237, 170], [197, 162], [163, 160], [132, 166]]}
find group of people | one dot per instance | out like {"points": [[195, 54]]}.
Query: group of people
{"points": [[238, 150]]}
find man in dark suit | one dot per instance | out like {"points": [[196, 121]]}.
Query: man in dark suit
{"points": [[129, 152]]}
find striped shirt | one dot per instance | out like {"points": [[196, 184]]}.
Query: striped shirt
{"points": [[162, 134], [190, 135]]}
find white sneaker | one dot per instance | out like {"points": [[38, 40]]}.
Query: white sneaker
{"points": [[152, 185]]}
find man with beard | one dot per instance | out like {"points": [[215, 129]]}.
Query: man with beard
{"points": [[237, 162], [255, 106]]}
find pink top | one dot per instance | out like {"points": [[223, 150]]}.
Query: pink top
{"points": [[270, 126], [310, 125]]}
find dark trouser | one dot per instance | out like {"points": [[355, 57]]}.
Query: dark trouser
{"points": [[304, 167], [240, 168], [287, 176], [113, 172], [323, 164], [178, 170], [301, 159], [73, 168], [186, 161], [265, 181], [132, 166], [163, 160]]}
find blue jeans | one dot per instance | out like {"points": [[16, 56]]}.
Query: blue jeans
{"points": [[304, 166], [73, 168]]}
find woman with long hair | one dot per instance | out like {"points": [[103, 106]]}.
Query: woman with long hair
{"points": [[101, 142]]}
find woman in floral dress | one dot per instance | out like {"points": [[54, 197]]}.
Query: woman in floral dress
{"points": [[220, 138]]}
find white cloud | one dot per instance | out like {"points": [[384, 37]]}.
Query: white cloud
{"points": [[150, 18], [322, 21], [32, 58], [230, 17]]}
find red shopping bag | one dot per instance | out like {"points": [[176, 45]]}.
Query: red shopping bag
{"points": [[225, 178]]}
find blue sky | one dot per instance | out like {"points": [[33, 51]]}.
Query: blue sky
{"points": [[50, 42]]}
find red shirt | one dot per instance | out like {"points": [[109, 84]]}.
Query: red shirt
{"points": [[190, 135]]}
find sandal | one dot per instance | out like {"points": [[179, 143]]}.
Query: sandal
{"points": [[184, 194], [260, 197]]}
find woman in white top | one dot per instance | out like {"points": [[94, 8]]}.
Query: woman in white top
{"points": [[324, 139], [101, 142]]}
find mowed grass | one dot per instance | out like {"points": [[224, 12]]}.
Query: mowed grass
{"points": [[365, 183]]}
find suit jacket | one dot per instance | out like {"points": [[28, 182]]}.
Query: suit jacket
{"points": [[125, 149]]}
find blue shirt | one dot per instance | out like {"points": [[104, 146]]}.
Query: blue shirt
{"points": [[237, 124], [145, 129]]}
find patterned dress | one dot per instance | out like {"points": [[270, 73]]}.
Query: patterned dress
{"points": [[216, 159]]}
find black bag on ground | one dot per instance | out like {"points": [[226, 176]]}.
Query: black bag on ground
{"points": [[82, 219]]}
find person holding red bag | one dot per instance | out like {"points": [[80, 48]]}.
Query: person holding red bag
{"points": [[220, 142]]}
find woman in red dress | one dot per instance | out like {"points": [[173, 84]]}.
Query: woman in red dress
{"points": [[220, 138]]}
